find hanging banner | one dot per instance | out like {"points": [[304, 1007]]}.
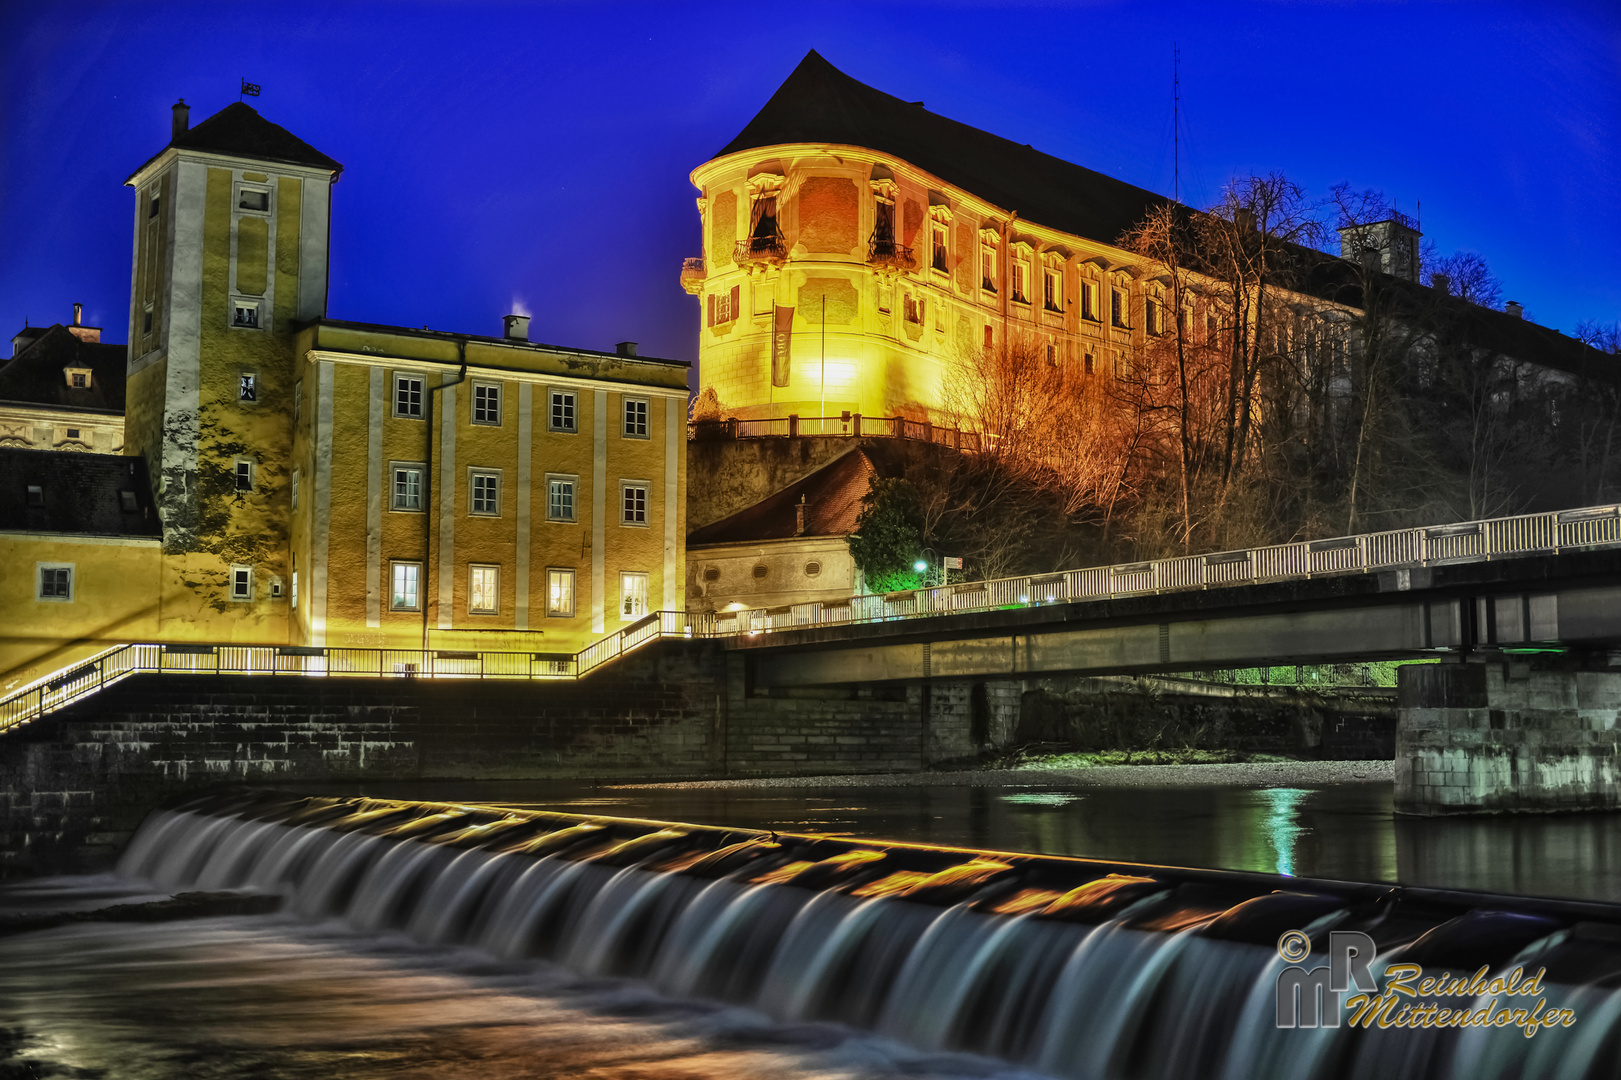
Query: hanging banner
{"points": [[782, 328]]}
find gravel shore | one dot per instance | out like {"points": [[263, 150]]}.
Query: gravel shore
{"points": [[1251, 774]]}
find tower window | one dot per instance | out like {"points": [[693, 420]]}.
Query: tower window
{"points": [[634, 498], [483, 590], [486, 403], [560, 593], [635, 418], [407, 486], [408, 396], [241, 583], [562, 411], [248, 387], [146, 320], [152, 206], [406, 591], [295, 489], [244, 475], [245, 313], [484, 498], [55, 582], [560, 498], [255, 199]]}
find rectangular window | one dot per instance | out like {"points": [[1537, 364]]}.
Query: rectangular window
{"points": [[295, 489], [245, 313], [1151, 315], [484, 498], [244, 475], [562, 411], [635, 418], [938, 233], [406, 485], [241, 583], [1051, 291], [486, 403], [247, 387], [634, 503], [560, 593], [914, 309], [408, 396], [1089, 301], [152, 207], [987, 270], [632, 595], [1116, 309], [79, 380], [483, 590], [1019, 271], [1052, 353], [405, 590], [55, 582], [560, 498], [990, 336], [293, 599], [253, 199], [146, 320], [1091, 363], [723, 306]]}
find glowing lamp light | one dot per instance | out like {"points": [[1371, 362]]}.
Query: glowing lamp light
{"points": [[920, 566]]}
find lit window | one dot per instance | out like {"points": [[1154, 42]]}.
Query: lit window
{"points": [[485, 498], [406, 591], [483, 589], [407, 487], [55, 582], [635, 504], [247, 387], [632, 595], [241, 583], [408, 396], [253, 199], [560, 498], [560, 593], [245, 313], [562, 412], [486, 403], [635, 418], [244, 475]]}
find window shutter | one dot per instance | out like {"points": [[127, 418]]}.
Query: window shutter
{"points": [[711, 309], [735, 291]]}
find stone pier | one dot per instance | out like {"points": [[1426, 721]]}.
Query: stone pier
{"points": [[1509, 736]]}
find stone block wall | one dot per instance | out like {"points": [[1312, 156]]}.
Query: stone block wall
{"points": [[1502, 737]]}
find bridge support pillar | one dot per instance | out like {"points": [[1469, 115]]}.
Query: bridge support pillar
{"points": [[1508, 737]]}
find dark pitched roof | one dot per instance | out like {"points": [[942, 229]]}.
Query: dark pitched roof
{"points": [[238, 130], [821, 104], [832, 497], [35, 374], [81, 494]]}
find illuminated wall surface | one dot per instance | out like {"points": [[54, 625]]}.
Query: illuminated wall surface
{"points": [[518, 496], [840, 274]]}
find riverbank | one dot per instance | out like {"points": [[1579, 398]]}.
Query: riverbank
{"points": [[1257, 774]]}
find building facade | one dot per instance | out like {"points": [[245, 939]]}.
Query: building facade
{"points": [[63, 389], [313, 482]]}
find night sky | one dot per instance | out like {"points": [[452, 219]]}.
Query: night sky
{"points": [[535, 157]]}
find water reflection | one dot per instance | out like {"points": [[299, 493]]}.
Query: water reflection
{"points": [[1345, 831]]}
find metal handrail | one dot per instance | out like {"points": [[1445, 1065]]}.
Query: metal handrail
{"points": [[1396, 549]]}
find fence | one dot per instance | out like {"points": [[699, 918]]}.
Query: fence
{"points": [[1473, 541]]}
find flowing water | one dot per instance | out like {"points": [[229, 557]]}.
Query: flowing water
{"points": [[424, 939]]}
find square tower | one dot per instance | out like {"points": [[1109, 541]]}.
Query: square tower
{"points": [[1391, 244]]}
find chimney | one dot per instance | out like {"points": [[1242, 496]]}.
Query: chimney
{"points": [[517, 327], [626, 348], [182, 119], [1513, 308], [91, 334], [1441, 283]]}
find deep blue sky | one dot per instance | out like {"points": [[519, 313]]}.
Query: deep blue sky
{"points": [[537, 154]]}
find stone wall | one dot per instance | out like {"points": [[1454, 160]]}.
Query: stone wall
{"points": [[728, 475], [1515, 736]]}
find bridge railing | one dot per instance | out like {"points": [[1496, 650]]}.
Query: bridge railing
{"points": [[1590, 527]]}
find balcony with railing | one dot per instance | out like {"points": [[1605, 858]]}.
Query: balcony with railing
{"points": [[767, 249], [884, 252], [693, 274]]}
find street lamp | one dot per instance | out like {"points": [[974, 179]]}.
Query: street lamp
{"points": [[922, 565]]}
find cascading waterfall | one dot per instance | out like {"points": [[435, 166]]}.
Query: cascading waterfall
{"points": [[1070, 967]]}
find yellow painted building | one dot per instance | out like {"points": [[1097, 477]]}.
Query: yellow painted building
{"points": [[328, 483]]}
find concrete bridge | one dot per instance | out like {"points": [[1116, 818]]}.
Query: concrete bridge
{"points": [[1523, 614]]}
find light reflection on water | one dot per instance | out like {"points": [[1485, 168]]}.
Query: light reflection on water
{"points": [[1345, 831]]}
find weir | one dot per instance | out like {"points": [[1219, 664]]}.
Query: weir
{"points": [[1070, 967]]}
